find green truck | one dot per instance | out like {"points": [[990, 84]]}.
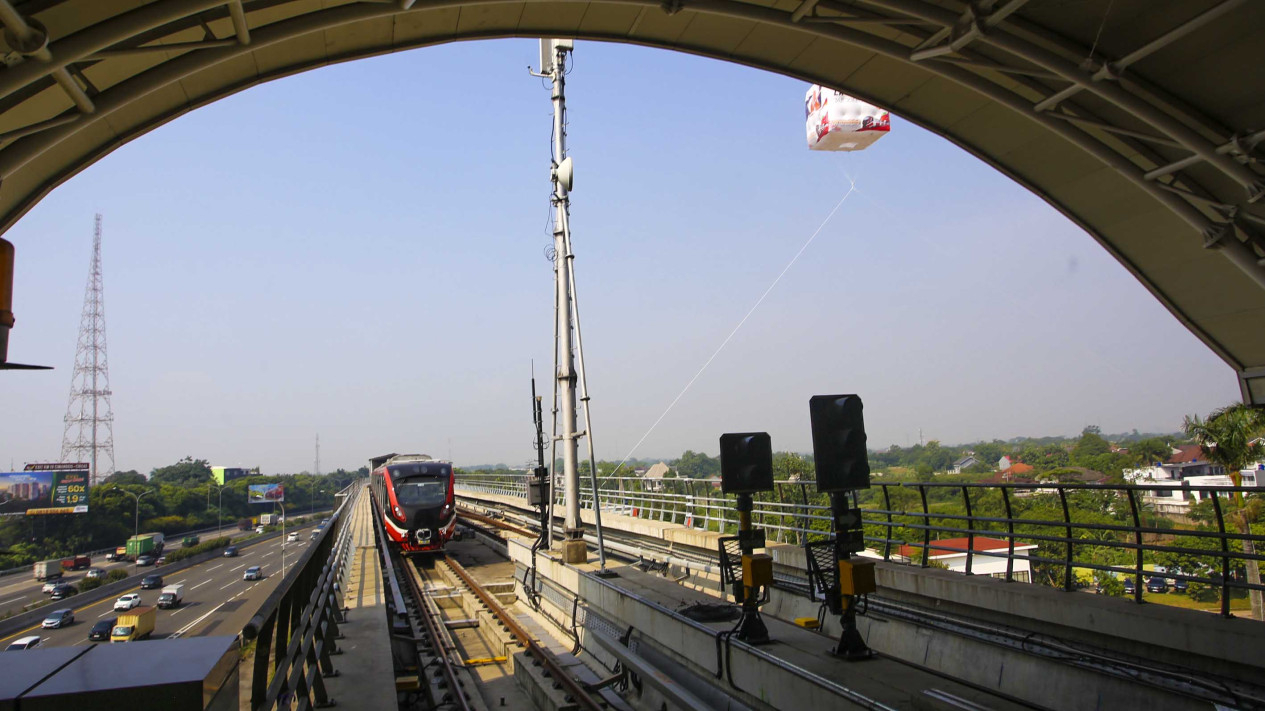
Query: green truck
{"points": [[145, 544], [189, 541]]}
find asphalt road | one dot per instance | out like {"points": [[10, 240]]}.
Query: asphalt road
{"points": [[216, 599]]}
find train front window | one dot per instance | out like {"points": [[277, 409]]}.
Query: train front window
{"points": [[421, 492]]}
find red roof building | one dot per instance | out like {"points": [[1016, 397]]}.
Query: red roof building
{"points": [[951, 553]]}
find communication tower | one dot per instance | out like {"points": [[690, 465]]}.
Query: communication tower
{"points": [[89, 434]]}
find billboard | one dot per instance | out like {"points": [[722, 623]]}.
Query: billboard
{"points": [[223, 475], [266, 493], [45, 492]]}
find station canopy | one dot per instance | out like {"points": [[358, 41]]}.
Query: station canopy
{"points": [[1140, 120]]}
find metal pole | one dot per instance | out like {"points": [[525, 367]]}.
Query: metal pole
{"points": [[566, 374]]}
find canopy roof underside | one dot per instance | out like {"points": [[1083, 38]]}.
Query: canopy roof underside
{"points": [[1140, 120]]}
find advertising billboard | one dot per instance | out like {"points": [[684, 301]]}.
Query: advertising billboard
{"points": [[36, 492], [266, 493]]}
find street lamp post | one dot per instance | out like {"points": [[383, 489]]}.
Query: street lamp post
{"points": [[136, 524], [219, 512]]}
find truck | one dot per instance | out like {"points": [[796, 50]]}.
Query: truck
{"points": [[119, 553], [76, 562], [245, 524], [171, 596], [144, 544], [267, 519], [137, 623], [48, 570], [189, 541]]}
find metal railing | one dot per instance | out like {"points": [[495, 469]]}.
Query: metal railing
{"points": [[1053, 531], [296, 628]]}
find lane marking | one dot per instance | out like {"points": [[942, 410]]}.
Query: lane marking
{"points": [[221, 565], [243, 565], [189, 626], [226, 587], [195, 587], [16, 599]]}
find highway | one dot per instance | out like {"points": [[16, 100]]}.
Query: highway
{"points": [[216, 599]]}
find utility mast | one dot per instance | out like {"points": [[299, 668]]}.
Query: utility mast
{"points": [[568, 345], [316, 465], [89, 433]]}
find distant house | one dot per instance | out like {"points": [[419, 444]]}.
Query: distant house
{"points": [[964, 463], [1187, 467], [988, 556], [653, 477], [1003, 464], [1019, 469]]}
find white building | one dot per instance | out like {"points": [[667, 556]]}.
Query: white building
{"points": [[1187, 468], [951, 552]]}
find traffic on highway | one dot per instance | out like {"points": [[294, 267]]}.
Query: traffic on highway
{"points": [[215, 596]]}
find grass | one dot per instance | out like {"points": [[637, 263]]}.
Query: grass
{"points": [[1181, 600]]}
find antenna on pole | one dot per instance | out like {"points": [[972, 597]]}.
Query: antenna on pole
{"points": [[89, 433], [316, 465], [568, 346]]}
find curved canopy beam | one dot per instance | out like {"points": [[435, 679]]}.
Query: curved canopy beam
{"points": [[1132, 118]]}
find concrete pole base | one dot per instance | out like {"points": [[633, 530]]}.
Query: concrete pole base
{"points": [[575, 552]]}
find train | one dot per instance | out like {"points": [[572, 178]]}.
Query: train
{"points": [[413, 497]]}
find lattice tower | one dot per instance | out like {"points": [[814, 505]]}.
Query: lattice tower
{"points": [[89, 434]]}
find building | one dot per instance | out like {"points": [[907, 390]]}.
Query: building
{"points": [[223, 475], [988, 556], [653, 478], [963, 464], [1186, 468]]}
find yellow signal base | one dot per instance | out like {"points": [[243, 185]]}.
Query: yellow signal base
{"points": [[757, 569], [856, 577]]}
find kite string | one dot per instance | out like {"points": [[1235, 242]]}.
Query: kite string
{"points": [[851, 189]]}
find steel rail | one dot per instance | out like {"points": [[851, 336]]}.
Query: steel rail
{"points": [[435, 633], [559, 674]]}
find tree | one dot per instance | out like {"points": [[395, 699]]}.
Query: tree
{"points": [[695, 465], [128, 477], [1146, 452], [186, 472], [788, 464], [1226, 438], [1091, 444]]}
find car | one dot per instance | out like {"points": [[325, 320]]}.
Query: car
{"points": [[49, 587], [1179, 586], [162, 560], [95, 574], [149, 582], [293, 537], [58, 619], [230, 552], [25, 643], [100, 631], [1129, 587], [63, 591], [1157, 584], [316, 534], [127, 602], [144, 560], [259, 529], [254, 572]]}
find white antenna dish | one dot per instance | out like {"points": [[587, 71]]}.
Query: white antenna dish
{"points": [[565, 173]]}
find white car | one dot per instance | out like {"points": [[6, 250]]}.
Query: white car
{"points": [[25, 643], [49, 587], [127, 602], [292, 538]]}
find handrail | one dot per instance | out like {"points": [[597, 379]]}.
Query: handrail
{"points": [[297, 625], [904, 521]]}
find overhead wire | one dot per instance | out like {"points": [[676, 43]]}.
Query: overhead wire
{"points": [[851, 189]]}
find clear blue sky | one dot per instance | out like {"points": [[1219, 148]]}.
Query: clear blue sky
{"points": [[358, 251]]}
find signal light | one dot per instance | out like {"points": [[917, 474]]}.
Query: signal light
{"points": [[746, 462], [843, 464]]}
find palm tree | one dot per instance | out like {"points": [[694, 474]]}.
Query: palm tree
{"points": [[1226, 438]]}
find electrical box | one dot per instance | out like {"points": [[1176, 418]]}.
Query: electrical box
{"points": [[746, 462], [839, 453], [757, 570], [856, 577], [537, 491]]}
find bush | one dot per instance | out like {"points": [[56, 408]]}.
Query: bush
{"points": [[1202, 592], [183, 553], [115, 575], [1109, 584], [90, 584]]}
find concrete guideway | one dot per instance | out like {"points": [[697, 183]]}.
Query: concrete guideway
{"points": [[365, 677], [1026, 641]]}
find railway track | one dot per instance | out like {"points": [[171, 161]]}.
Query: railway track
{"points": [[474, 649]]}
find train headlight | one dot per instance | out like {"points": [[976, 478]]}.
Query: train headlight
{"points": [[399, 514]]}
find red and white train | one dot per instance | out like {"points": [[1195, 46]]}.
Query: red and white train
{"points": [[413, 495]]}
